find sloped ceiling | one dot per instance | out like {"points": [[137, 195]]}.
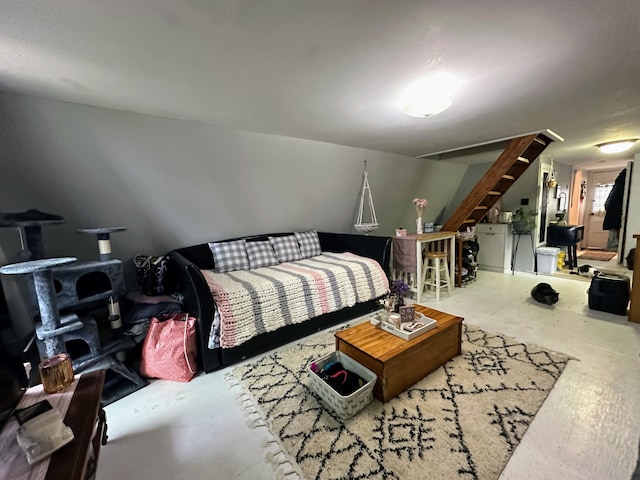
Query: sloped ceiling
{"points": [[333, 70]]}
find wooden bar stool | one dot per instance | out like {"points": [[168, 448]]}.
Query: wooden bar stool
{"points": [[436, 272]]}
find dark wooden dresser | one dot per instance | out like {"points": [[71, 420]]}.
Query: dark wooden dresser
{"points": [[78, 460]]}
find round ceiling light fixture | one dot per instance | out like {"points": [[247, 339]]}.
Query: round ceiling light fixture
{"points": [[429, 96], [617, 146], [428, 107]]}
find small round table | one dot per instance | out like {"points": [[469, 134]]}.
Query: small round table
{"points": [[29, 225], [104, 239]]}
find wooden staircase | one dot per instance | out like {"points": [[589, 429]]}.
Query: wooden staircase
{"points": [[519, 153]]}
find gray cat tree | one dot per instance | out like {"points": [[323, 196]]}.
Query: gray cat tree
{"points": [[29, 225], [60, 285]]}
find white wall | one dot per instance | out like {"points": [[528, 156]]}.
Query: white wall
{"points": [[633, 218], [174, 183], [564, 175]]}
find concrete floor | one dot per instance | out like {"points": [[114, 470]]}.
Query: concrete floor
{"points": [[588, 428]]}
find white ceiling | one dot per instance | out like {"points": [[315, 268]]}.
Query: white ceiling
{"points": [[332, 70]]}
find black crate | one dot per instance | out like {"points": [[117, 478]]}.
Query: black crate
{"points": [[610, 293]]}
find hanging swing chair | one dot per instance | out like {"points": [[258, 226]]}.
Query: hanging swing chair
{"points": [[361, 226]]}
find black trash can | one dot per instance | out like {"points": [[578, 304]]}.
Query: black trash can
{"points": [[610, 293]]}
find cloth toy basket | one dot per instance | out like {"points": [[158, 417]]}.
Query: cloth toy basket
{"points": [[344, 406]]}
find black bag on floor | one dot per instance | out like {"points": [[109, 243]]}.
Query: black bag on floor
{"points": [[610, 293]]}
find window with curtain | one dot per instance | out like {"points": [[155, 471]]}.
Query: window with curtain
{"points": [[600, 195]]}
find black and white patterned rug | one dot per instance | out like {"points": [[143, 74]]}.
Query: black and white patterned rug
{"points": [[462, 421]]}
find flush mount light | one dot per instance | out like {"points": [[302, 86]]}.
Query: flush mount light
{"points": [[428, 107], [617, 146], [430, 96]]}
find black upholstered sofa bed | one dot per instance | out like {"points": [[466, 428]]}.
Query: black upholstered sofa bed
{"points": [[194, 265]]}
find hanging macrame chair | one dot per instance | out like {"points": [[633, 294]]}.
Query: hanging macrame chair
{"points": [[361, 226]]}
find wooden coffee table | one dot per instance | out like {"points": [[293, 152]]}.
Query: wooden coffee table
{"points": [[399, 363]]}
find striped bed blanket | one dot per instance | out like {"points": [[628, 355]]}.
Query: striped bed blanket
{"points": [[252, 302]]}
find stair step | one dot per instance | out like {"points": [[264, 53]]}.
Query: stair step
{"points": [[518, 155]]}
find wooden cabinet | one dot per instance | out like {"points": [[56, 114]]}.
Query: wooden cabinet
{"points": [[467, 260], [76, 460], [496, 242], [634, 309], [86, 417]]}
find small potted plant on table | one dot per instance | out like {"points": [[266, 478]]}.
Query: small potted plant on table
{"points": [[524, 221]]}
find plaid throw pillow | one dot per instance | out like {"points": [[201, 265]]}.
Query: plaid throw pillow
{"points": [[286, 248], [261, 254], [309, 243], [229, 256]]}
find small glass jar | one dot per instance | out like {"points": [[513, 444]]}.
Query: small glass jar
{"points": [[56, 373]]}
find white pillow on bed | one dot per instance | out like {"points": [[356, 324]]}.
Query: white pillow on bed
{"points": [[309, 243], [229, 256], [286, 248], [261, 254]]}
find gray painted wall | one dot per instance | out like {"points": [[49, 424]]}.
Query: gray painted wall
{"points": [[174, 183], [472, 176]]}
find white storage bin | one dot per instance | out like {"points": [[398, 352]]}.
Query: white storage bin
{"points": [[547, 259], [344, 406]]}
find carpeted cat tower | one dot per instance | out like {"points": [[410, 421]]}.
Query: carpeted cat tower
{"points": [[63, 295]]}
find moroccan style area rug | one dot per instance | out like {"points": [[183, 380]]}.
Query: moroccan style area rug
{"points": [[462, 421], [600, 255]]}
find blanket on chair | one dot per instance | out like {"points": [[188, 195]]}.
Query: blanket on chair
{"points": [[251, 302]]}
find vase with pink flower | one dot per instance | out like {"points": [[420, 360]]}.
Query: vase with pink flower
{"points": [[420, 204]]}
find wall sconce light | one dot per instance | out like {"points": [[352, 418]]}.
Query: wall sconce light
{"points": [[617, 146]]}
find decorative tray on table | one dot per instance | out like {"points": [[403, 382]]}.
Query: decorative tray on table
{"points": [[408, 330]]}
